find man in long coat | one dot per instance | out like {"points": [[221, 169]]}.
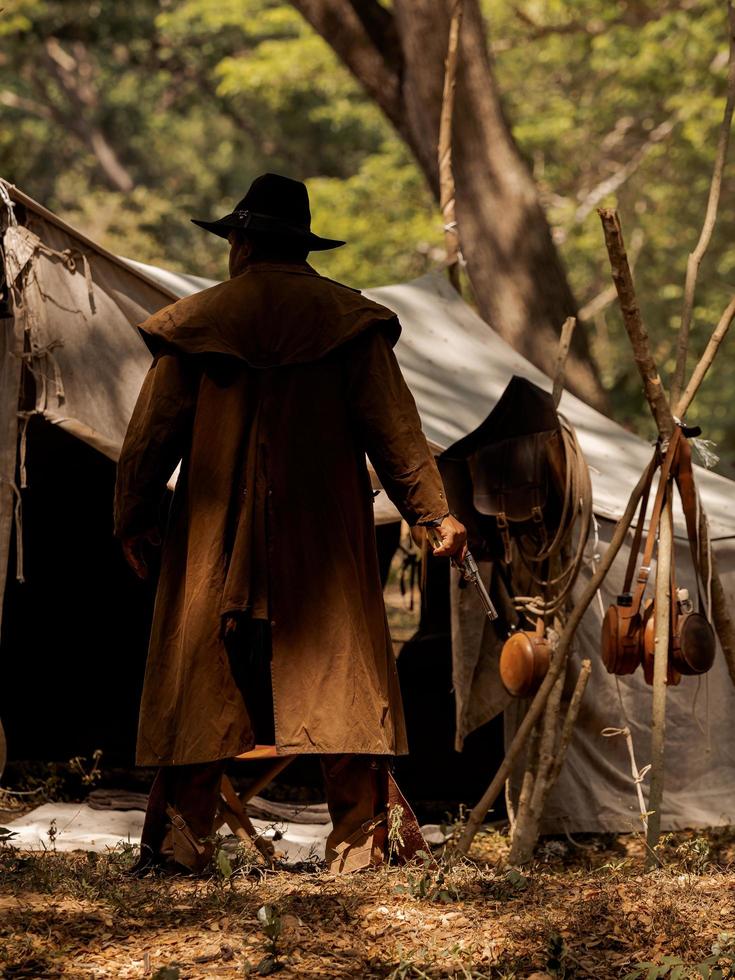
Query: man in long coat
{"points": [[269, 622]]}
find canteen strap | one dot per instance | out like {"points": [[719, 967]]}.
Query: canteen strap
{"points": [[645, 568], [684, 476], [638, 536]]}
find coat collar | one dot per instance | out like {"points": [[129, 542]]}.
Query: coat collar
{"points": [[269, 315]]}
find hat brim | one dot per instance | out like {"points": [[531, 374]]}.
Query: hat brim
{"points": [[314, 243]]}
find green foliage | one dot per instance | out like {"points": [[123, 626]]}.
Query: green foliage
{"points": [[719, 965], [272, 926], [612, 103], [195, 99], [428, 881], [587, 85]]}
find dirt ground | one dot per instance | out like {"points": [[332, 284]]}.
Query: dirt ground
{"points": [[583, 909]]}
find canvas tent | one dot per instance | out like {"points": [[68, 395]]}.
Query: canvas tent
{"points": [[73, 325]]}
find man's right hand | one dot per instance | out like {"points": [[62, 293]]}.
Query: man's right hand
{"points": [[137, 548], [453, 536]]}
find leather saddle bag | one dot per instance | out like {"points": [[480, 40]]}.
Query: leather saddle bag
{"points": [[502, 479], [524, 661]]}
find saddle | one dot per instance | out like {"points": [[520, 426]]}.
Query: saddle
{"points": [[501, 479]]}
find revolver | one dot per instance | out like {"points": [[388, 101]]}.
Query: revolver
{"points": [[470, 573]]}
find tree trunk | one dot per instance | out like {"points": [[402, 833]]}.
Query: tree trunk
{"points": [[516, 273]]}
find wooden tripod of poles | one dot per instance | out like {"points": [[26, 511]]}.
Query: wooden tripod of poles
{"points": [[664, 417]]}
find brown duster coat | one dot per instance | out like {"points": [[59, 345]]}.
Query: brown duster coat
{"points": [[270, 388]]}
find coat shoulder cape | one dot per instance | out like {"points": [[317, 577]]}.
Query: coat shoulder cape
{"points": [[270, 315]]}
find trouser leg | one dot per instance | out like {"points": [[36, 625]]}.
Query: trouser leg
{"points": [[365, 803], [180, 816], [356, 787]]}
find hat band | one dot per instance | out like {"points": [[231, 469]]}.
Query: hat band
{"points": [[245, 217]]}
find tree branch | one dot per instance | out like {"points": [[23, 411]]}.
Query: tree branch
{"points": [[362, 35], [33, 108], [710, 217], [74, 73], [705, 362], [616, 180], [571, 718]]}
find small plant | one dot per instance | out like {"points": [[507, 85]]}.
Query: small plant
{"points": [[719, 965], [6, 834], [78, 765], [428, 882], [517, 881], [556, 953], [694, 855], [453, 827], [271, 924], [395, 838]]}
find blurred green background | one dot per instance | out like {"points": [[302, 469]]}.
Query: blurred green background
{"points": [[611, 102]]}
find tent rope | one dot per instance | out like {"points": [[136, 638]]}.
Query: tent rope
{"points": [[18, 518], [70, 256], [638, 774], [32, 359], [9, 205], [23, 447]]}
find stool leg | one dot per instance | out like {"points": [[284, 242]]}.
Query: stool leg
{"points": [[239, 822]]}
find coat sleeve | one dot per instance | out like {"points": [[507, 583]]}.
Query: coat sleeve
{"points": [[388, 421], [155, 442]]}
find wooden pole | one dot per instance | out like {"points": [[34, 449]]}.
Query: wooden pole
{"points": [[705, 362], [662, 622], [633, 321], [565, 341], [525, 833], [446, 175], [722, 620], [572, 712], [710, 217], [479, 811], [661, 412]]}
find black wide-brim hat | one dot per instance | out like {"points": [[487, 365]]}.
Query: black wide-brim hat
{"points": [[277, 206]]}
